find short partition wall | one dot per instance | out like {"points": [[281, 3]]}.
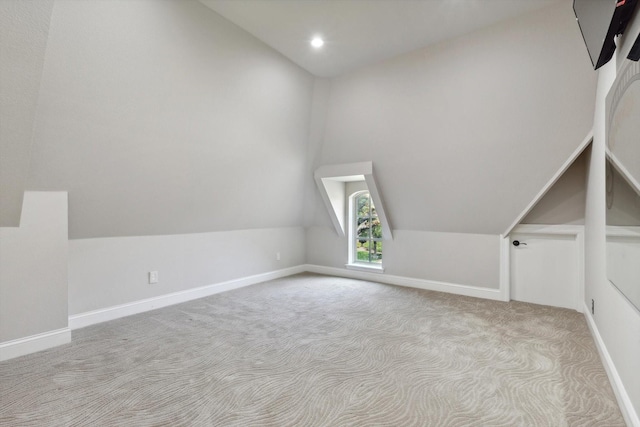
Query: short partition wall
{"points": [[33, 283]]}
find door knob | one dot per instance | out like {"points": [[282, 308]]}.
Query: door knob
{"points": [[518, 243]]}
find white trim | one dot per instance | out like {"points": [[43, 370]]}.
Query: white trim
{"points": [[549, 229], [430, 285], [374, 268], [583, 145], [581, 268], [346, 173], [377, 201], [82, 320], [34, 343], [623, 231], [351, 226], [111, 313], [624, 401], [505, 268], [344, 170], [31, 344], [559, 230]]}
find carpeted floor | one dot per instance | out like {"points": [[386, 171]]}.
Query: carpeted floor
{"points": [[319, 351]]}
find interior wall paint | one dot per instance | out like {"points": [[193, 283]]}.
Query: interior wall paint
{"points": [[564, 203], [107, 272], [336, 193], [617, 322], [33, 268], [623, 269], [457, 258], [460, 258], [162, 117], [623, 203], [464, 134], [317, 123], [24, 26]]}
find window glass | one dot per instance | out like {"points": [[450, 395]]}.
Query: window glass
{"points": [[366, 230]]}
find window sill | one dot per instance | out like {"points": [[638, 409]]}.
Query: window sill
{"points": [[365, 267]]}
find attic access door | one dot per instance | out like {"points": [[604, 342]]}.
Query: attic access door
{"points": [[546, 267]]}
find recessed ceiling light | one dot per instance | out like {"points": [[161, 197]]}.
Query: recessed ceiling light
{"points": [[317, 42]]}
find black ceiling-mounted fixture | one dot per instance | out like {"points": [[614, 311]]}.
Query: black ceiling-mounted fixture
{"points": [[600, 22], [634, 54]]}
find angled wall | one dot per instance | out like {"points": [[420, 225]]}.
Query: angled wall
{"points": [[564, 203], [24, 27], [162, 117], [465, 133], [462, 135], [182, 141]]}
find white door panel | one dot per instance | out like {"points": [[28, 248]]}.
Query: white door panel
{"points": [[544, 270]]}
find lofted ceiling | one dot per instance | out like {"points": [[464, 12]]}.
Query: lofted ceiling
{"points": [[362, 32]]}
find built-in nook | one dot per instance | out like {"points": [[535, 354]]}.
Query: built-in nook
{"points": [[546, 248]]}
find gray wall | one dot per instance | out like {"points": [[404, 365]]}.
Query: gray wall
{"points": [[464, 134], [181, 139], [623, 202], [564, 203], [106, 272], [161, 117], [33, 268], [618, 322], [175, 132], [24, 27], [455, 258]]}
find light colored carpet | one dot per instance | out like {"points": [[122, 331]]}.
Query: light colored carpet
{"points": [[319, 351]]}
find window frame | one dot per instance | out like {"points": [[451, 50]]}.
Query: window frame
{"points": [[354, 262]]}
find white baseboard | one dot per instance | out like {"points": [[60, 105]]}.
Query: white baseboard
{"points": [[430, 285], [81, 320], [111, 313], [33, 343], [22, 346], [624, 401]]}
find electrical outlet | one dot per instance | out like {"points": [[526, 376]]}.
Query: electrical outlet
{"points": [[153, 277], [277, 256], [593, 307]]}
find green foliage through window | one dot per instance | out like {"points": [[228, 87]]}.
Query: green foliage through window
{"points": [[368, 231]]}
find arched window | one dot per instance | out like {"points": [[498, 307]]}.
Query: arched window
{"points": [[365, 230]]}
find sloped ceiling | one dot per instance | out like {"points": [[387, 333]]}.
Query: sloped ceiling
{"points": [[164, 118], [360, 33], [161, 117], [24, 27], [463, 135]]}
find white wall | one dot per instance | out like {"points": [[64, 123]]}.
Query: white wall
{"points": [[106, 272], [33, 268], [617, 321], [162, 117], [24, 26]]}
